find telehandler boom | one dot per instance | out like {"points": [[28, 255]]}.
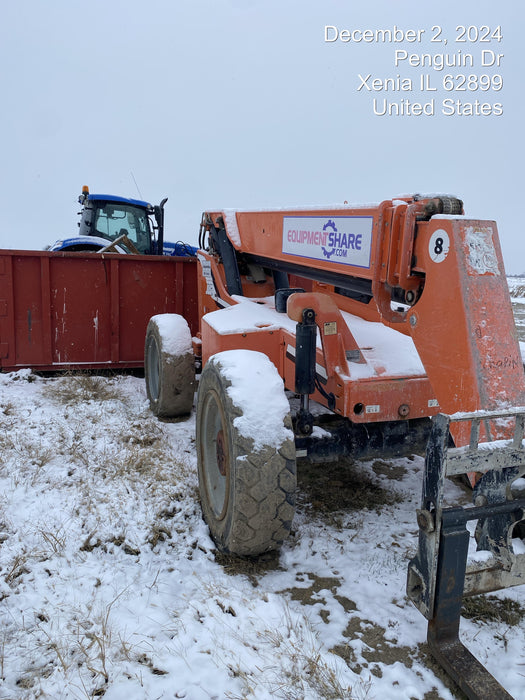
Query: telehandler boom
{"points": [[396, 319]]}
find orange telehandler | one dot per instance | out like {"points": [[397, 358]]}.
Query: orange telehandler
{"points": [[396, 319]]}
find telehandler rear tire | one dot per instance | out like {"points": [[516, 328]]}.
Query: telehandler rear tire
{"points": [[247, 491], [169, 366]]}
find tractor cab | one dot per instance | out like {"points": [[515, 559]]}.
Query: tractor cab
{"points": [[109, 217], [121, 225]]}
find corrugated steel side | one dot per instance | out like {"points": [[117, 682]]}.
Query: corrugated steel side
{"points": [[83, 310]]}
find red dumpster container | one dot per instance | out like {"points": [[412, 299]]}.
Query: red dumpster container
{"points": [[63, 310]]}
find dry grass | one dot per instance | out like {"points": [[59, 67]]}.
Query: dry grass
{"points": [[8, 408], [518, 291], [93, 450], [304, 666], [490, 608], [15, 568], [8, 424], [153, 468], [55, 540], [144, 434], [35, 454], [83, 652], [81, 387]]}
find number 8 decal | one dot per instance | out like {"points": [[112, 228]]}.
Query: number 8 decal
{"points": [[438, 246]]}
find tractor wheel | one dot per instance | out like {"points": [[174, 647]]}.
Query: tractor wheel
{"points": [[247, 477], [169, 366]]}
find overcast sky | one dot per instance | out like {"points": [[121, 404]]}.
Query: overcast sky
{"points": [[242, 103]]}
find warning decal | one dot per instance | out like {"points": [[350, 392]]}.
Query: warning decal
{"points": [[341, 239]]}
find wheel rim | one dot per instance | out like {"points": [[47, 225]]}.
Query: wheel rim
{"points": [[215, 455], [153, 368]]}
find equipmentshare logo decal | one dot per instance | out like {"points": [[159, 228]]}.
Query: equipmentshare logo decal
{"points": [[342, 239]]}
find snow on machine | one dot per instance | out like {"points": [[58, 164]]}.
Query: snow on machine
{"points": [[396, 319]]}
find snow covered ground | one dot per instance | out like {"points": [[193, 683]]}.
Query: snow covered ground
{"points": [[517, 290], [111, 586]]}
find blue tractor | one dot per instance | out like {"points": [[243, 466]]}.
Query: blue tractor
{"points": [[123, 225]]}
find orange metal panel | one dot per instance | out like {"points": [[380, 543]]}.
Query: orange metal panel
{"points": [[268, 341], [337, 240], [463, 324], [457, 308]]}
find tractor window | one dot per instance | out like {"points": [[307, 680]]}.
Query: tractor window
{"points": [[114, 219]]}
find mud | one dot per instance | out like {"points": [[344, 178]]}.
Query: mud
{"points": [[327, 489]]}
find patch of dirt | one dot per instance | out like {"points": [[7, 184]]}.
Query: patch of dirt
{"points": [[341, 486], [394, 472], [431, 695], [251, 567], [309, 595], [378, 650]]}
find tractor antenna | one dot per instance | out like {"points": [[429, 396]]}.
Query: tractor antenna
{"points": [[138, 190]]}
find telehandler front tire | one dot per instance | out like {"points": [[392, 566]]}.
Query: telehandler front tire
{"points": [[247, 489], [169, 366]]}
